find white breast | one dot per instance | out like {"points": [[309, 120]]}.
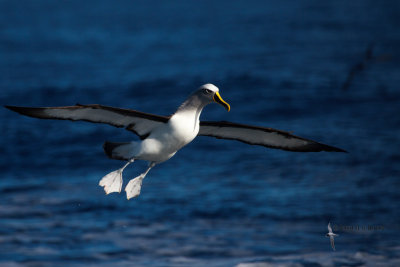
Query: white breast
{"points": [[167, 139], [184, 127]]}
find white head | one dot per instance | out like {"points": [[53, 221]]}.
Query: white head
{"points": [[209, 93]]}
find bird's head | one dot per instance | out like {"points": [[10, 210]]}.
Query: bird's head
{"points": [[210, 93]]}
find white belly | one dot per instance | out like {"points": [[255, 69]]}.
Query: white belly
{"points": [[166, 140]]}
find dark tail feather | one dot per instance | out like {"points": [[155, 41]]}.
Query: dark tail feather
{"points": [[110, 146]]}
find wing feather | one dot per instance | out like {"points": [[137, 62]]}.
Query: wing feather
{"points": [[329, 228], [262, 136], [138, 122]]}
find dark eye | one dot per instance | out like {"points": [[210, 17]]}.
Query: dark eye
{"points": [[207, 91]]}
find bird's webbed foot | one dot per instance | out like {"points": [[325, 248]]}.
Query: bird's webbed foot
{"points": [[112, 182], [134, 186]]}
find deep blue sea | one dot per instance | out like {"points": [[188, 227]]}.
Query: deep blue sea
{"points": [[325, 70]]}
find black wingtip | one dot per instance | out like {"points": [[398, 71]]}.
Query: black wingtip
{"points": [[334, 149], [341, 150], [15, 108], [28, 111]]}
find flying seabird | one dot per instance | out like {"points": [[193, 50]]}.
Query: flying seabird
{"points": [[162, 136], [331, 236]]}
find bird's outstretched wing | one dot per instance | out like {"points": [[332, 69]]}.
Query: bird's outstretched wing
{"points": [[262, 136], [138, 122], [329, 228]]}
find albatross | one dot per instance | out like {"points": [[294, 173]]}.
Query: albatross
{"points": [[162, 136]]}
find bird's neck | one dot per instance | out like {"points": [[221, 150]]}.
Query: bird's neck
{"points": [[192, 107]]}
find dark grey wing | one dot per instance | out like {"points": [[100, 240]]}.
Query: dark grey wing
{"points": [[138, 122], [262, 136]]}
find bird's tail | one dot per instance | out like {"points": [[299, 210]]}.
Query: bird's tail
{"points": [[120, 150]]}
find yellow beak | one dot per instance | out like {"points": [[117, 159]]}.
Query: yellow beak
{"points": [[218, 99]]}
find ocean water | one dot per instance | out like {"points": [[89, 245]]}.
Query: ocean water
{"points": [[324, 70]]}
